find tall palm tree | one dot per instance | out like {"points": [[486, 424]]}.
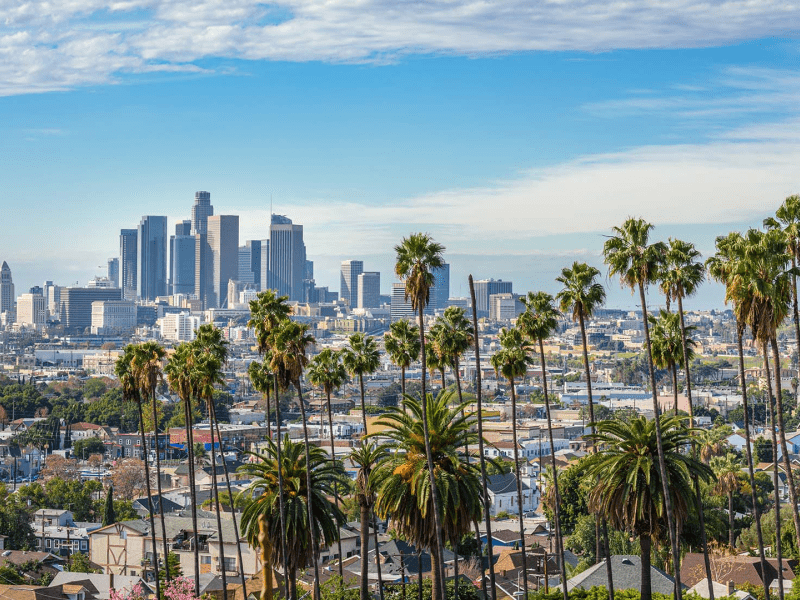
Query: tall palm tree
{"points": [[403, 479], [668, 346], [630, 255], [581, 295], [289, 360], [126, 371], [628, 489], [512, 362], [402, 345], [454, 336], [361, 357], [262, 380], [322, 474], [537, 323], [327, 371], [417, 256], [366, 457], [727, 470], [148, 359], [724, 267]]}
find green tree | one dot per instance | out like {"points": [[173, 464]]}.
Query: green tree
{"points": [[80, 563], [667, 345], [15, 521], [109, 515], [452, 335], [88, 446], [727, 470]]}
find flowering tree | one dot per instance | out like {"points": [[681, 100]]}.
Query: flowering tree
{"points": [[180, 588]]}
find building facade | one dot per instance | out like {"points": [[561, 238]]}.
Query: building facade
{"points": [[223, 241], [201, 210], [348, 281], [152, 264], [113, 317], [369, 289], [128, 258]]}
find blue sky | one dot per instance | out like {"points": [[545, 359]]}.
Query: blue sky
{"points": [[515, 133]]}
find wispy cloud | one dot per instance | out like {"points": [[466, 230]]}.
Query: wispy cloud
{"points": [[47, 45]]}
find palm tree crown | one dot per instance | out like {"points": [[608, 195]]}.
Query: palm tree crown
{"points": [[267, 311], [417, 256], [682, 272], [402, 343], [327, 371], [630, 256], [581, 294]]}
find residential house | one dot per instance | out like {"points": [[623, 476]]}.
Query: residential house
{"points": [[738, 569], [626, 572], [503, 494]]}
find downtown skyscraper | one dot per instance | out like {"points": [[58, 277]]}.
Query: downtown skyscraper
{"points": [[286, 264], [128, 258], [6, 289], [223, 242], [201, 210], [348, 281], [152, 251]]}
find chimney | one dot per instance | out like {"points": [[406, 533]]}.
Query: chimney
{"points": [[731, 588]]}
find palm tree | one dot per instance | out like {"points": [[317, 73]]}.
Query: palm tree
{"points": [[668, 346], [299, 484], [129, 378], [454, 335], [402, 345], [403, 479], [289, 360], [512, 361], [727, 470], [630, 255], [262, 380], [580, 297], [147, 361], [417, 257], [361, 357], [628, 489], [724, 267], [366, 458], [327, 371], [537, 323]]}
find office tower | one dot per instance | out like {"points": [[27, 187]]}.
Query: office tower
{"points": [[182, 247], [152, 264], [401, 308], [52, 295], [309, 270], [348, 285], [37, 289], [264, 266], [486, 288], [6, 289], [113, 317], [76, 306], [128, 257], [287, 258], [203, 276], [250, 263], [182, 229], [113, 271], [504, 307], [31, 310], [201, 210], [223, 241], [440, 292], [369, 289]]}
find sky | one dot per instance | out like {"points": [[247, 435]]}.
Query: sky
{"points": [[516, 133]]}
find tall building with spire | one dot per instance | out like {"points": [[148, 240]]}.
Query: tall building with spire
{"points": [[201, 210], [6, 289]]}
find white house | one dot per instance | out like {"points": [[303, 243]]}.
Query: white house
{"points": [[503, 495]]}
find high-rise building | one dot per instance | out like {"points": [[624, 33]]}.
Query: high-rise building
{"points": [[36, 289], [128, 258], [486, 288], [504, 307], [250, 263], [203, 275], [223, 241], [113, 317], [348, 285], [113, 271], [152, 264], [401, 308], [264, 265], [52, 295], [76, 306], [31, 310], [201, 210], [440, 292], [6, 289], [369, 289], [182, 248], [287, 258], [182, 229]]}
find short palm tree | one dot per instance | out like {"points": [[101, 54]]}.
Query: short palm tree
{"points": [[402, 346], [630, 255], [629, 491], [323, 475], [263, 381], [454, 335], [668, 346], [403, 479], [512, 362], [417, 256], [727, 470], [361, 357], [327, 371]]}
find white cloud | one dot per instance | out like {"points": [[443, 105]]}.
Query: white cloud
{"points": [[49, 45]]}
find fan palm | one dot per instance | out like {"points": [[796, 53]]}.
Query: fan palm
{"points": [[630, 255], [361, 357], [538, 322], [454, 335], [402, 345], [668, 346], [300, 517], [263, 380], [403, 479], [416, 258], [628, 489], [512, 362], [727, 470], [327, 371]]}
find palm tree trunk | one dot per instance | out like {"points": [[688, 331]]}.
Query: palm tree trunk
{"points": [[700, 509], [519, 487], [377, 555], [291, 583], [782, 432], [673, 537], [158, 484], [557, 509], [364, 550], [363, 402], [403, 384], [215, 491], [795, 311], [335, 490], [438, 574], [444, 384], [750, 469], [187, 414], [268, 415], [437, 585], [597, 522], [233, 512], [456, 366], [730, 519], [291, 589], [311, 525], [481, 457], [149, 496], [454, 543], [675, 386], [646, 589], [778, 550]]}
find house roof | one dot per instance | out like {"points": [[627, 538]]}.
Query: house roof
{"points": [[20, 557], [626, 571], [504, 484], [720, 590], [739, 569]]}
